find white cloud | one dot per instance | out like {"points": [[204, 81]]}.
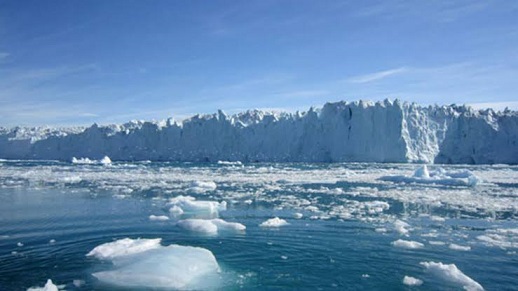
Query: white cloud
{"points": [[376, 76]]}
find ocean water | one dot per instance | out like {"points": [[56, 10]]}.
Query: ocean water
{"points": [[356, 221]]}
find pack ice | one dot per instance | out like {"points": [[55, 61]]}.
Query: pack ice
{"points": [[386, 131]]}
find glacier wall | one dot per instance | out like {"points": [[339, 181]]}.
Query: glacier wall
{"points": [[387, 131]]}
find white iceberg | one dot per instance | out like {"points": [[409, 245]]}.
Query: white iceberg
{"points": [[189, 205], [411, 281], [407, 244], [49, 286], [274, 222], [156, 266], [158, 217], [210, 226], [439, 176], [452, 274]]}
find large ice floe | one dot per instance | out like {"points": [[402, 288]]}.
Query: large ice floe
{"points": [[145, 263], [360, 131], [188, 205], [451, 273], [210, 226]]}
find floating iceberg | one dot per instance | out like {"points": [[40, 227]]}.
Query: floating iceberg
{"points": [[274, 222], [411, 281], [452, 274], [210, 226], [439, 176], [86, 161], [151, 265], [49, 286], [158, 217], [190, 206], [407, 244]]}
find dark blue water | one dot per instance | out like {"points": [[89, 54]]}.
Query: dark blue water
{"points": [[59, 212]]}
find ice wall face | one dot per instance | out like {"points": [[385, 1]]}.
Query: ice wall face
{"points": [[338, 132]]}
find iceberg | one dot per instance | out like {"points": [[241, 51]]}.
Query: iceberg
{"points": [[439, 176], [210, 226], [49, 286], [360, 131], [274, 222], [452, 274], [147, 264], [188, 205]]}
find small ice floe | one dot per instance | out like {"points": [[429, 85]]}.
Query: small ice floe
{"points": [[52, 241], [407, 244], [189, 205], [19, 244], [411, 281], [503, 238], [297, 215], [401, 227], [436, 243], [274, 222], [228, 163], [150, 265], [451, 273], [49, 286], [457, 247], [437, 218], [365, 276], [439, 176], [158, 217], [202, 186], [210, 226], [78, 283], [86, 161]]}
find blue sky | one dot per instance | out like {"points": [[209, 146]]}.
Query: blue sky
{"points": [[78, 62]]}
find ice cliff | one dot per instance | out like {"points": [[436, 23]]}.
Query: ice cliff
{"points": [[387, 131]]}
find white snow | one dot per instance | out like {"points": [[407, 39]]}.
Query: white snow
{"points": [[86, 161], [451, 273], [407, 244], [274, 222], [158, 217], [411, 281], [156, 266], [49, 286]]}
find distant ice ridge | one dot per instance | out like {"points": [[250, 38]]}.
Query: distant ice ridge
{"points": [[386, 131], [145, 263]]}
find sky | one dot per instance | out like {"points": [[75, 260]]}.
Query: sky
{"points": [[78, 62]]}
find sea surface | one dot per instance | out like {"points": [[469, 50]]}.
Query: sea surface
{"points": [[353, 226]]}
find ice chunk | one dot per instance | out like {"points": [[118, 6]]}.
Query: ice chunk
{"points": [[124, 247], [457, 247], [189, 205], [411, 281], [439, 176], [173, 266], [227, 163], [49, 286], [407, 244], [158, 217], [452, 274], [297, 215], [401, 227], [274, 222], [202, 186], [210, 226], [106, 160]]}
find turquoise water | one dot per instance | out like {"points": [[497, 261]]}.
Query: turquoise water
{"points": [[52, 214]]}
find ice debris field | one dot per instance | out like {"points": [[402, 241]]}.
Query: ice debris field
{"points": [[80, 225]]}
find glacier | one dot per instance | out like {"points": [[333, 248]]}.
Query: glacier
{"points": [[361, 131]]}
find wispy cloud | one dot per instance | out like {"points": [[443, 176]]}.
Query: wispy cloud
{"points": [[376, 76], [3, 55]]}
